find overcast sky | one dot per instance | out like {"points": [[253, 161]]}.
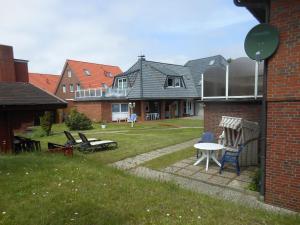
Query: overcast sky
{"points": [[47, 32]]}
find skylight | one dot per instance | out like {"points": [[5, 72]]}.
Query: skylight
{"points": [[108, 74], [211, 62], [87, 72]]}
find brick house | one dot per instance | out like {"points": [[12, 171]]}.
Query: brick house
{"points": [[47, 82], [20, 101], [281, 103], [78, 75], [158, 90]]}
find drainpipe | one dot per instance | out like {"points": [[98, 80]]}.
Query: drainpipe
{"points": [[264, 119]]}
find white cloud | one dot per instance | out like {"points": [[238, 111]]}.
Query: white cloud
{"points": [[115, 32]]}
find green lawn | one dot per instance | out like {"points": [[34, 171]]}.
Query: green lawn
{"points": [[44, 188], [144, 137], [169, 159], [53, 189]]}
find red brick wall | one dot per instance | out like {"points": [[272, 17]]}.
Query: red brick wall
{"points": [[106, 112], [283, 155], [213, 112], [65, 80], [282, 185], [91, 109]]}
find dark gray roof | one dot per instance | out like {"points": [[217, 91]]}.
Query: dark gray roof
{"points": [[199, 66], [25, 94], [147, 80], [154, 75]]}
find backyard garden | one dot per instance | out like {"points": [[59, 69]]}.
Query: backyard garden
{"points": [[45, 188]]}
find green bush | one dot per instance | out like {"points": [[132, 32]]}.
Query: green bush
{"points": [[46, 123], [78, 121]]}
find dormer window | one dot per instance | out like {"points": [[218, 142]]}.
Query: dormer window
{"points": [[175, 82], [122, 83], [211, 62], [86, 72], [69, 72]]}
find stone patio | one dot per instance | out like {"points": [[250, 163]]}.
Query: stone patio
{"points": [[228, 178]]}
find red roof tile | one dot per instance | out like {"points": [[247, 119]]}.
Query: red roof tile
{"points": [[46, 82], [99, 73]]}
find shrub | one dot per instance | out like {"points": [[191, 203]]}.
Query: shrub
{"points": [[255, 183], [78, 121], [46, 123]]}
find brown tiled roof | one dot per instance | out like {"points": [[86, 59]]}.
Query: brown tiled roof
{"points": [[26, 94], [99, 73], [46, 82]]}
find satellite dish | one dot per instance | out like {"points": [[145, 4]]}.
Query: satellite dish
{"points": [[261, 42]]}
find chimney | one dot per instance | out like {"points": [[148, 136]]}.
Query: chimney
{"points": [[142, 57], [7, 68]]}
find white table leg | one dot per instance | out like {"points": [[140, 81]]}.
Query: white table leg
{"points": [[207, 160], [201, 158], [216, 161]]}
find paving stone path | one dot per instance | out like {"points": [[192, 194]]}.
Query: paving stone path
{"points": [[133, 166], [132, 162]]}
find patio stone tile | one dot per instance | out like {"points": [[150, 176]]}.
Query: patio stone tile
{"points": [[238, 184], [193, 168], [228, 174], [245, 178], [219, 180], [212, 170], [201, 176], [171, 169], [185, 172], [180, 164]]}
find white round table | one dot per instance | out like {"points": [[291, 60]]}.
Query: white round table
{"points": [[208, 152]]}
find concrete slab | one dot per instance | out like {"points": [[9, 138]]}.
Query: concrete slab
{"points": [[185, 172]]}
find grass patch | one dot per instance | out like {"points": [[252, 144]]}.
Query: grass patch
{"points": [[144, 137], [52, 189], [169, 159]]}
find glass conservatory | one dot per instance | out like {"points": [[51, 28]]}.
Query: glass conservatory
{"points": [[242, 78]]}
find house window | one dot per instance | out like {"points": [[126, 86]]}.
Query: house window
{"points": [[177, 82], [87, 72], [69, 72], [71, 88], [117, 108], [64, 88], [211, 62], [122, 83], [170, 82], [78, 87], [174, 82]]}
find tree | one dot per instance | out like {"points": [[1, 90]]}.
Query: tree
{"points": [[78, 121], [46, 122]]}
